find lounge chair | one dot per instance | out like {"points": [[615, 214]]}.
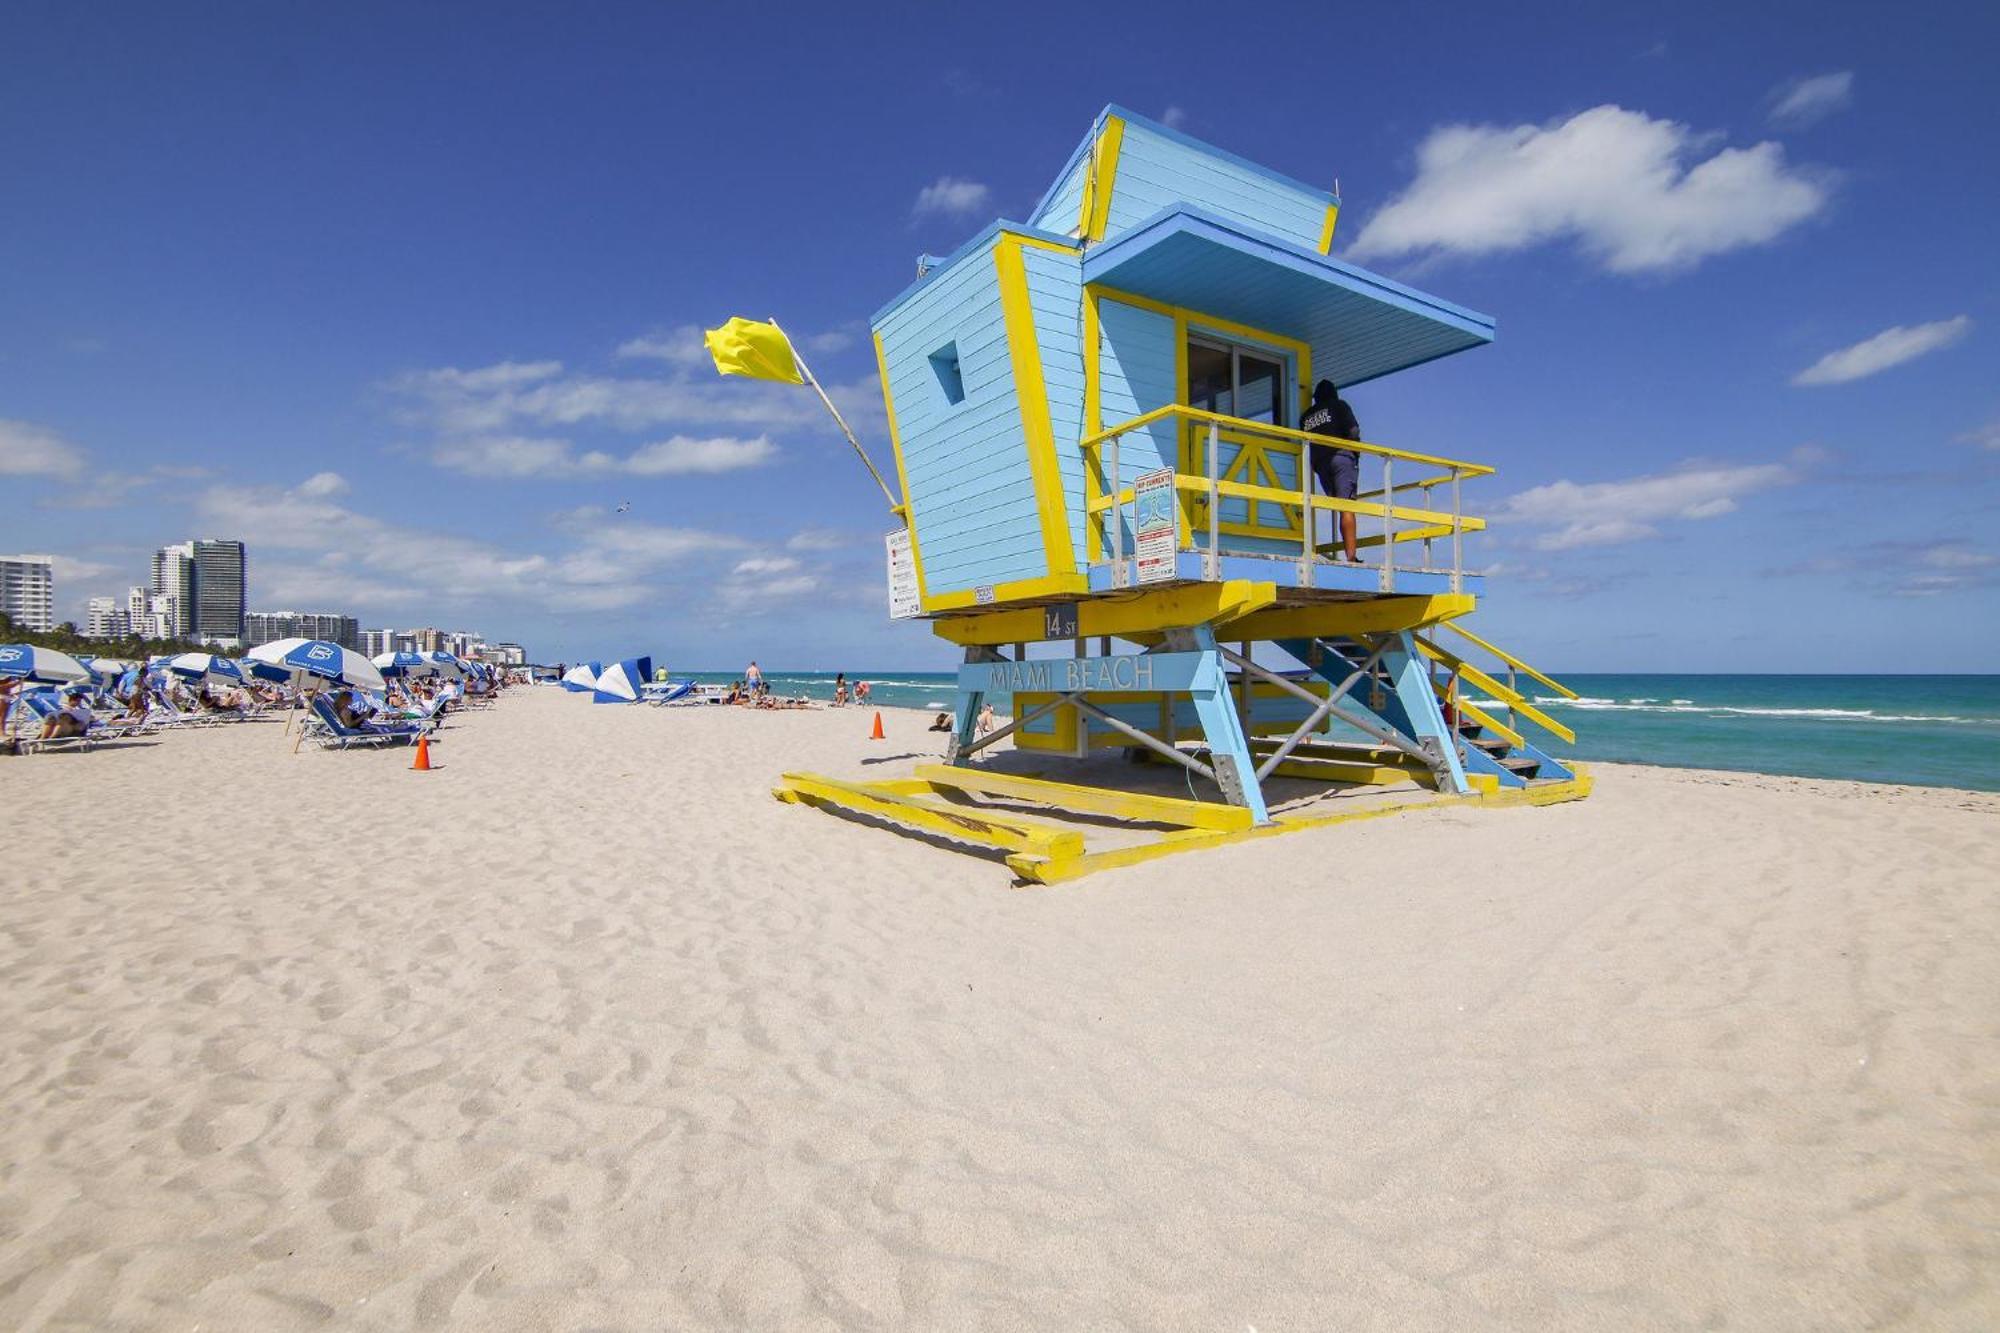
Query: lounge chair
{"points": [[325, 728]]}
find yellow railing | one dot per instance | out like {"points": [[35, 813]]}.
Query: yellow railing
{"points": [[1201, 489]]}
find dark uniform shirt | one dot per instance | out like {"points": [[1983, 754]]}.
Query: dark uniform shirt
{"points": [[1336, 468]]}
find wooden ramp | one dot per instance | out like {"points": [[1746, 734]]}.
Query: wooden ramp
{"points": [[1050, 831]]}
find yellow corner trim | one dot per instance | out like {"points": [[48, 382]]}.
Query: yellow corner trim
{"points": [[1093, 421], [1094, 209], [902, 478], [1031, 393], [1326, 230]]}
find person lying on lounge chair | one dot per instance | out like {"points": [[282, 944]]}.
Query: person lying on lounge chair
{"points": [[353, 714], [73, 720]]}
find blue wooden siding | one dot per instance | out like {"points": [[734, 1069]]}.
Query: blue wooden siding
{"points": [[971, 494], [1160, 168], [1157, 171], [1138, 370], [1055, 293]]}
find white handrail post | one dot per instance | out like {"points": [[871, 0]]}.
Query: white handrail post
{"points": [[1212, 563], [1388, 524], [1457, 538], [1117, 514], [1310, 553]]}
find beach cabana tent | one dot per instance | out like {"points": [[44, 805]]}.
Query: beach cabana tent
{"points": [[621, 682], [582, 676]]}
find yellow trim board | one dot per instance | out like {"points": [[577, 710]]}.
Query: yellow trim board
{"points": [[902, 477], [964, 825], [1031, 393], [1094, 461], [1326, 230], [1123, 616], [1094, 208], [1021, 590]]}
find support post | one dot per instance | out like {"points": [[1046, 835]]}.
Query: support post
{"points": [[1212, 563], [1228, 748]]}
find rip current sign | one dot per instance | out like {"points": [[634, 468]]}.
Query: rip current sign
{"points": [[1155, 534]]}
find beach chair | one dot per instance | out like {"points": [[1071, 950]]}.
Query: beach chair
{"points": [[666, 694], [39, 706], [325, 728]]}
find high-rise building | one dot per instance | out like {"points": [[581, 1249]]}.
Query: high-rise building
{"points": [[267, 626], [375, 642], [174, 576], [163, 617], [28, 591], [136, 611], [106, 619], [220, 572], [506, 654]]}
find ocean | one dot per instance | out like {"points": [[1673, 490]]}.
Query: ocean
{"points": [[1935, 731]]}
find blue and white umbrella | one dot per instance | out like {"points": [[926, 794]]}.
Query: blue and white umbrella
{"points": [[621, 682], [446, 664], [317, 657], [582, 676], [41, 666], [406, 664], [252, 669], [205, 666]]}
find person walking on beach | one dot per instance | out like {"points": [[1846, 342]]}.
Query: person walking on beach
{"points": [[1337, 469], [753, 679]]}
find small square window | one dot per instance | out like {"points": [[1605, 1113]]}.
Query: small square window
{"points": [[944, 364]]}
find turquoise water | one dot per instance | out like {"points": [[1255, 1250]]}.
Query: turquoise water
{"points": [[1938, 731]]}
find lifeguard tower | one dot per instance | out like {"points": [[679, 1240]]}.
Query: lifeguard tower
{"points": [[1094, 419]]}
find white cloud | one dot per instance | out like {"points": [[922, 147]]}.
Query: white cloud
{"points": [[323, 486], [1986, 437], [1804, 101], [1624, 186], [328, 552], [951, 197], [1174, 117], [499, 399], [515, 456], [1890, 347], [1607, 513], [28, 450], [68, 569], [817, 539], [678, 347], [682, 454]]}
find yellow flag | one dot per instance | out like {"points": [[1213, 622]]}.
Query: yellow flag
{"points": [[760, 351]]}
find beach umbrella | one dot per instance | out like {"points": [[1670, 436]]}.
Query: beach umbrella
{"points": [[41, 666], [205, 666], [446, 664], [317, 657], [582, 676], [621, 682], [252, 669], [405, 664]]}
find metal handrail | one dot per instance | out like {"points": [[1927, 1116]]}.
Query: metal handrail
{"points": [[1418, 524], [1182, 411]]}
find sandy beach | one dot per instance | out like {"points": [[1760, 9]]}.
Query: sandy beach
{"points": [[584, 1030]]}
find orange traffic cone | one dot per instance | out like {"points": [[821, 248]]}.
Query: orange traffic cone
{"points": [[423, 763], [876, 735]]}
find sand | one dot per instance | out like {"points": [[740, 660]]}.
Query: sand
{"points": [[585, 1030]]}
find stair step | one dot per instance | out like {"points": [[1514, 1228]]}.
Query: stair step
{"points": [[1493, 745], [1520, 762]]}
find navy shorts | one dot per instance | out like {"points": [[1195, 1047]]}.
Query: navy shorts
{"points": [[1337, 470]]}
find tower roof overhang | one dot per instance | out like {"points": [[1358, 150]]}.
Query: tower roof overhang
{"points": [[1361, 325]]}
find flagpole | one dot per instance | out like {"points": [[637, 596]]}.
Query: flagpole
{"points": [[895, 506]]}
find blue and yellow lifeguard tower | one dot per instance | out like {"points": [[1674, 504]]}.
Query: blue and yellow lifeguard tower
{"points": [[1094, 421]]}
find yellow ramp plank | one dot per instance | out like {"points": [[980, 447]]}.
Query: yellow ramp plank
{"points": [[1093, 800], [967, 826]]}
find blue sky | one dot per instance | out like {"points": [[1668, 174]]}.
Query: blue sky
{"points": [[402, 296]]}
